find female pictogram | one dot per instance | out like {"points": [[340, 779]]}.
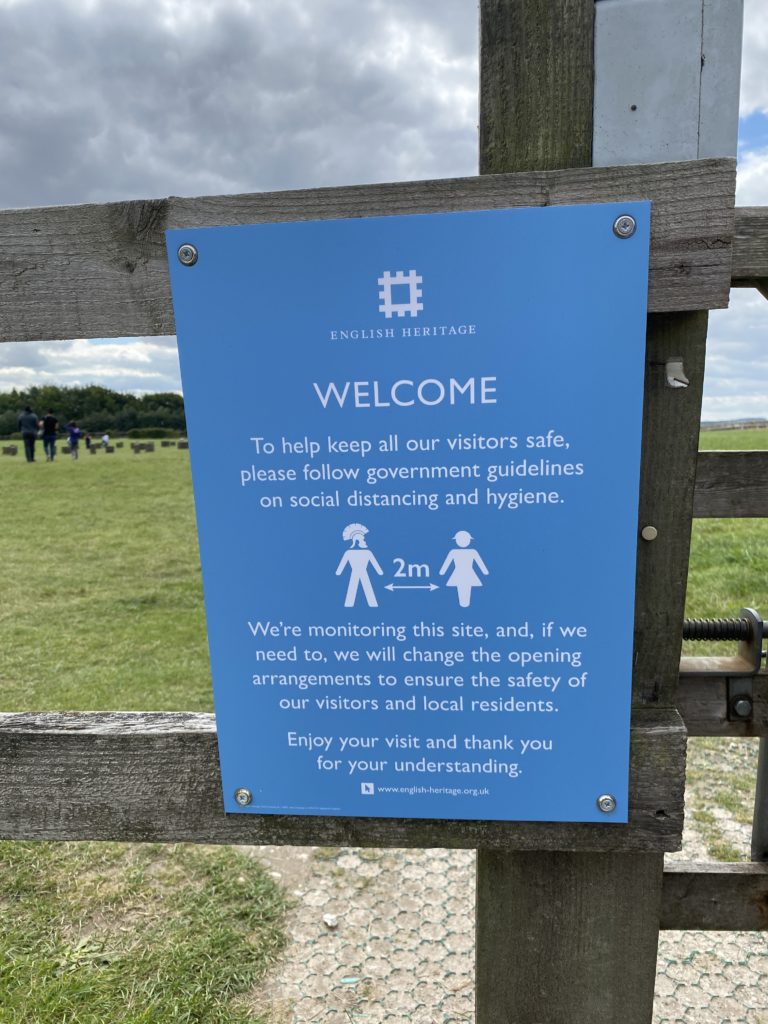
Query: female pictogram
{"points": [[463, 559], [358, 557]]}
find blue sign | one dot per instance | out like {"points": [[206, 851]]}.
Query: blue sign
{"points": [[415, 448]]}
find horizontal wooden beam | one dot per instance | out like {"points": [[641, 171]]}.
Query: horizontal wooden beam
{"points": [[702, 700], [100, 271], [731, 484], [715, 897], [155, 778], [750, 248]]}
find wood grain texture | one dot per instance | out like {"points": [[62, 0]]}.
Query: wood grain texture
{"points": [[715, 897], [702, 700], [750, 245], [579, 932], [731, 484], [671, 418], [155, 778], [101, 271], [536, 84], [561, 937]]}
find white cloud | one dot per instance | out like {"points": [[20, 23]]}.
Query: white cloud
{"points": [[736, 375], [136, 364], [752, 179], [135, 98], [114, 99]]}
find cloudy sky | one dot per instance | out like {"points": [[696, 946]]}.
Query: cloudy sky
{"points": [[121, 99]]}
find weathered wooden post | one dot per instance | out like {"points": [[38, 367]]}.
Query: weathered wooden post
{"points": [[572, 936]]}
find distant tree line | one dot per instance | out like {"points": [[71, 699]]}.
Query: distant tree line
{"points": [[96, 410]]}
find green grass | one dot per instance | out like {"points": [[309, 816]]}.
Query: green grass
{"points": [[733, 440], [103, 601], [728, 567], [727, 572], [132, 934], [733, 792], [104, 607], [103, 610], [728, 556]]}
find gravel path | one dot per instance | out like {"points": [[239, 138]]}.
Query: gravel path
{"points": [[387, 936]]}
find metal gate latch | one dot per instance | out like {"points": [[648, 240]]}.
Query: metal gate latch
{"points": [[739, 670]]}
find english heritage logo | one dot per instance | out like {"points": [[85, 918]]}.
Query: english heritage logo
{"points": [[400, 281]]}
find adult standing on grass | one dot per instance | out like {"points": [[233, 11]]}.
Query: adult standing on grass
{"points": [[74, 438], [50, 426], [28, 428]]}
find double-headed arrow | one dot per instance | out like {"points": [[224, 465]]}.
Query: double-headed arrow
{"points": [[411, 586]]}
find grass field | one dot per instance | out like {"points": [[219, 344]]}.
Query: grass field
{"points": [[728, 556], [104, 610], [104, 601], [106, 933]]}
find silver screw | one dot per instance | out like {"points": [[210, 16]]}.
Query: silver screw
{"points": [[742, 707], [649, 533], [606, 803], [243, 796], [624, 226], [187, 254]]}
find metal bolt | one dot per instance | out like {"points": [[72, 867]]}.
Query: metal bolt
{"points": [[624, 226], [187, 254], [649, 533], [606, 803], [742, 707], [243, 796]]}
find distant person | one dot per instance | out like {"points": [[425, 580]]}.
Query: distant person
{"points": [[28, 427], [104, 440], [75, 434], [50, 426], [88, 440]]}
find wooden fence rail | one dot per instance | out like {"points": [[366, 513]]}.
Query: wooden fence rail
{"points": [[702, 701], [154, 778], [101, 270], [731, 485], [750, 249]]}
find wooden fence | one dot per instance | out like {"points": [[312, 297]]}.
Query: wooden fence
{"points": [[567, 914]]}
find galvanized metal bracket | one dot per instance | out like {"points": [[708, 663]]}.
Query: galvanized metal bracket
{"points": [[674, 373], [740, 669]]}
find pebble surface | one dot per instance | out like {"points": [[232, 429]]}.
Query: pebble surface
{"points": [[400, 945]]}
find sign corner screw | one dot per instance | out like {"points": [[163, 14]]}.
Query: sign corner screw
{"points": [[606, 803], [243, 797], [624, 226], [649, 533], [187, 254]]}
